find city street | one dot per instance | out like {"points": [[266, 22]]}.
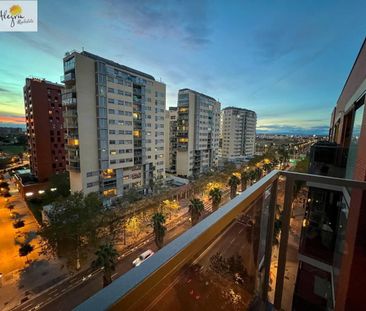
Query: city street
{"points": [[74, 290], [19, 277], [192, 288]]}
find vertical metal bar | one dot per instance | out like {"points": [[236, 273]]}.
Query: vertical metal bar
{"points": [[269, 240], [285, 225]]}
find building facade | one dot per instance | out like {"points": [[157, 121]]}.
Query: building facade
{"points": [[332, 248], [237, 133], [171, 116], [45, 130], [114, 120], [198, 132], [348, 131]]}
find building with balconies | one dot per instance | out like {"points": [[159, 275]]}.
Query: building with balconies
{"points": [[272, 247], [45, 127], [114, 122], [237, 133], [198, 127]]}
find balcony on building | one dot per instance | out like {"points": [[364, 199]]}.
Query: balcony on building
{"points": [[236, 259], [68, 78]]}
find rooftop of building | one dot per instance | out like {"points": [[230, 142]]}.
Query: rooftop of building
{"points": [[42, 80], [238, 108], [193, 91], [112, 63]]}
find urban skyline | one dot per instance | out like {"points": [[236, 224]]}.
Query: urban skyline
{"points": [[182, 155], [263, 63]]}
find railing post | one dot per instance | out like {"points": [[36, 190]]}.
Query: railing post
{"points": [[285, 226], [269, 240]]}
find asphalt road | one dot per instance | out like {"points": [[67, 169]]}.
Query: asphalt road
{"points": [[187, 293], [73, 291]]}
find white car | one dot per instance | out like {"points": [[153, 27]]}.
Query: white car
{"points": [[145, 255]]}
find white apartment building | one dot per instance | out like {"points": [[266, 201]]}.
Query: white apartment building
{"points": [[237, 133], [114, 124], [171, 117], [198, 133]]}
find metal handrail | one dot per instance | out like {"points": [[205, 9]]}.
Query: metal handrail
{"points": [[130, 290]]}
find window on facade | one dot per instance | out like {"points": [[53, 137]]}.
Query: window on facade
{"points": [[353, 147]]}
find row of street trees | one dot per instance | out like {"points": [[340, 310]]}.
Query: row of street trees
{"points": [[80, 225]]}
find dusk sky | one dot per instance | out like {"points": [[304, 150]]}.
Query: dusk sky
{"points": [[287, 60]]}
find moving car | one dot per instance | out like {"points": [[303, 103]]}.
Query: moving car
{"points": [[145, 255]]}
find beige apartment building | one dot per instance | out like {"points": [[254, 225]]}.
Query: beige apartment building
{"points": [[114, 121], [171, 117], [237, 133], [198, 131]]}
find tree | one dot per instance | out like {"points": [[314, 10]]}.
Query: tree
{"points": [[233, 183], [169, 206], [157, 222], [133, 226], [196, 208], [267, 167], [244, 177], [107, 259], [215, 195], [75, 222], [25, 250], [284, 156]]}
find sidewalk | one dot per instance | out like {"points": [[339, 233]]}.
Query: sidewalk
{"points": [[21, 280]]}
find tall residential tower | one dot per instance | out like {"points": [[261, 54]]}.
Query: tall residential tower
{"points": [[114, 119], [238, 129], [45, 132], [198, 130]]}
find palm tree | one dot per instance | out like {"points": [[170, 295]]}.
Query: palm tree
{"points": [[267, 167], [196, 208], [233, 183], [252, 177], [244, 177], [157, 222], [216, 196], [258, 173], [107, 260]]}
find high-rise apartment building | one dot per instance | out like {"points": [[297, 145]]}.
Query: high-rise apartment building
{"points": [[45, 131], [198, 131], [237, 133], [114, 120], [171, 116]]}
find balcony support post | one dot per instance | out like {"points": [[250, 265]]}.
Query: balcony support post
{"points": [[269, 240], [285, 226]]}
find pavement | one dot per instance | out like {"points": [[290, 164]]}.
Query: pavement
{"points": [[22, 279]]}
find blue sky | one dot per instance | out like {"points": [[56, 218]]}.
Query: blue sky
{"points": [[287, 60]]}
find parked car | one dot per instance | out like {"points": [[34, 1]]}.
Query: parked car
{"points": [[145, 255]]}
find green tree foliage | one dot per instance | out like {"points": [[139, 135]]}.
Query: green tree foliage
{"points": [[157, 222], [107, 259], [133, 226], [216, 196], [196, 208], [233, 183], [244, 177], [75, 226]]}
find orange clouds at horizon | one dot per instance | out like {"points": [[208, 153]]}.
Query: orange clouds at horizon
{"points": [[12, 119]]}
